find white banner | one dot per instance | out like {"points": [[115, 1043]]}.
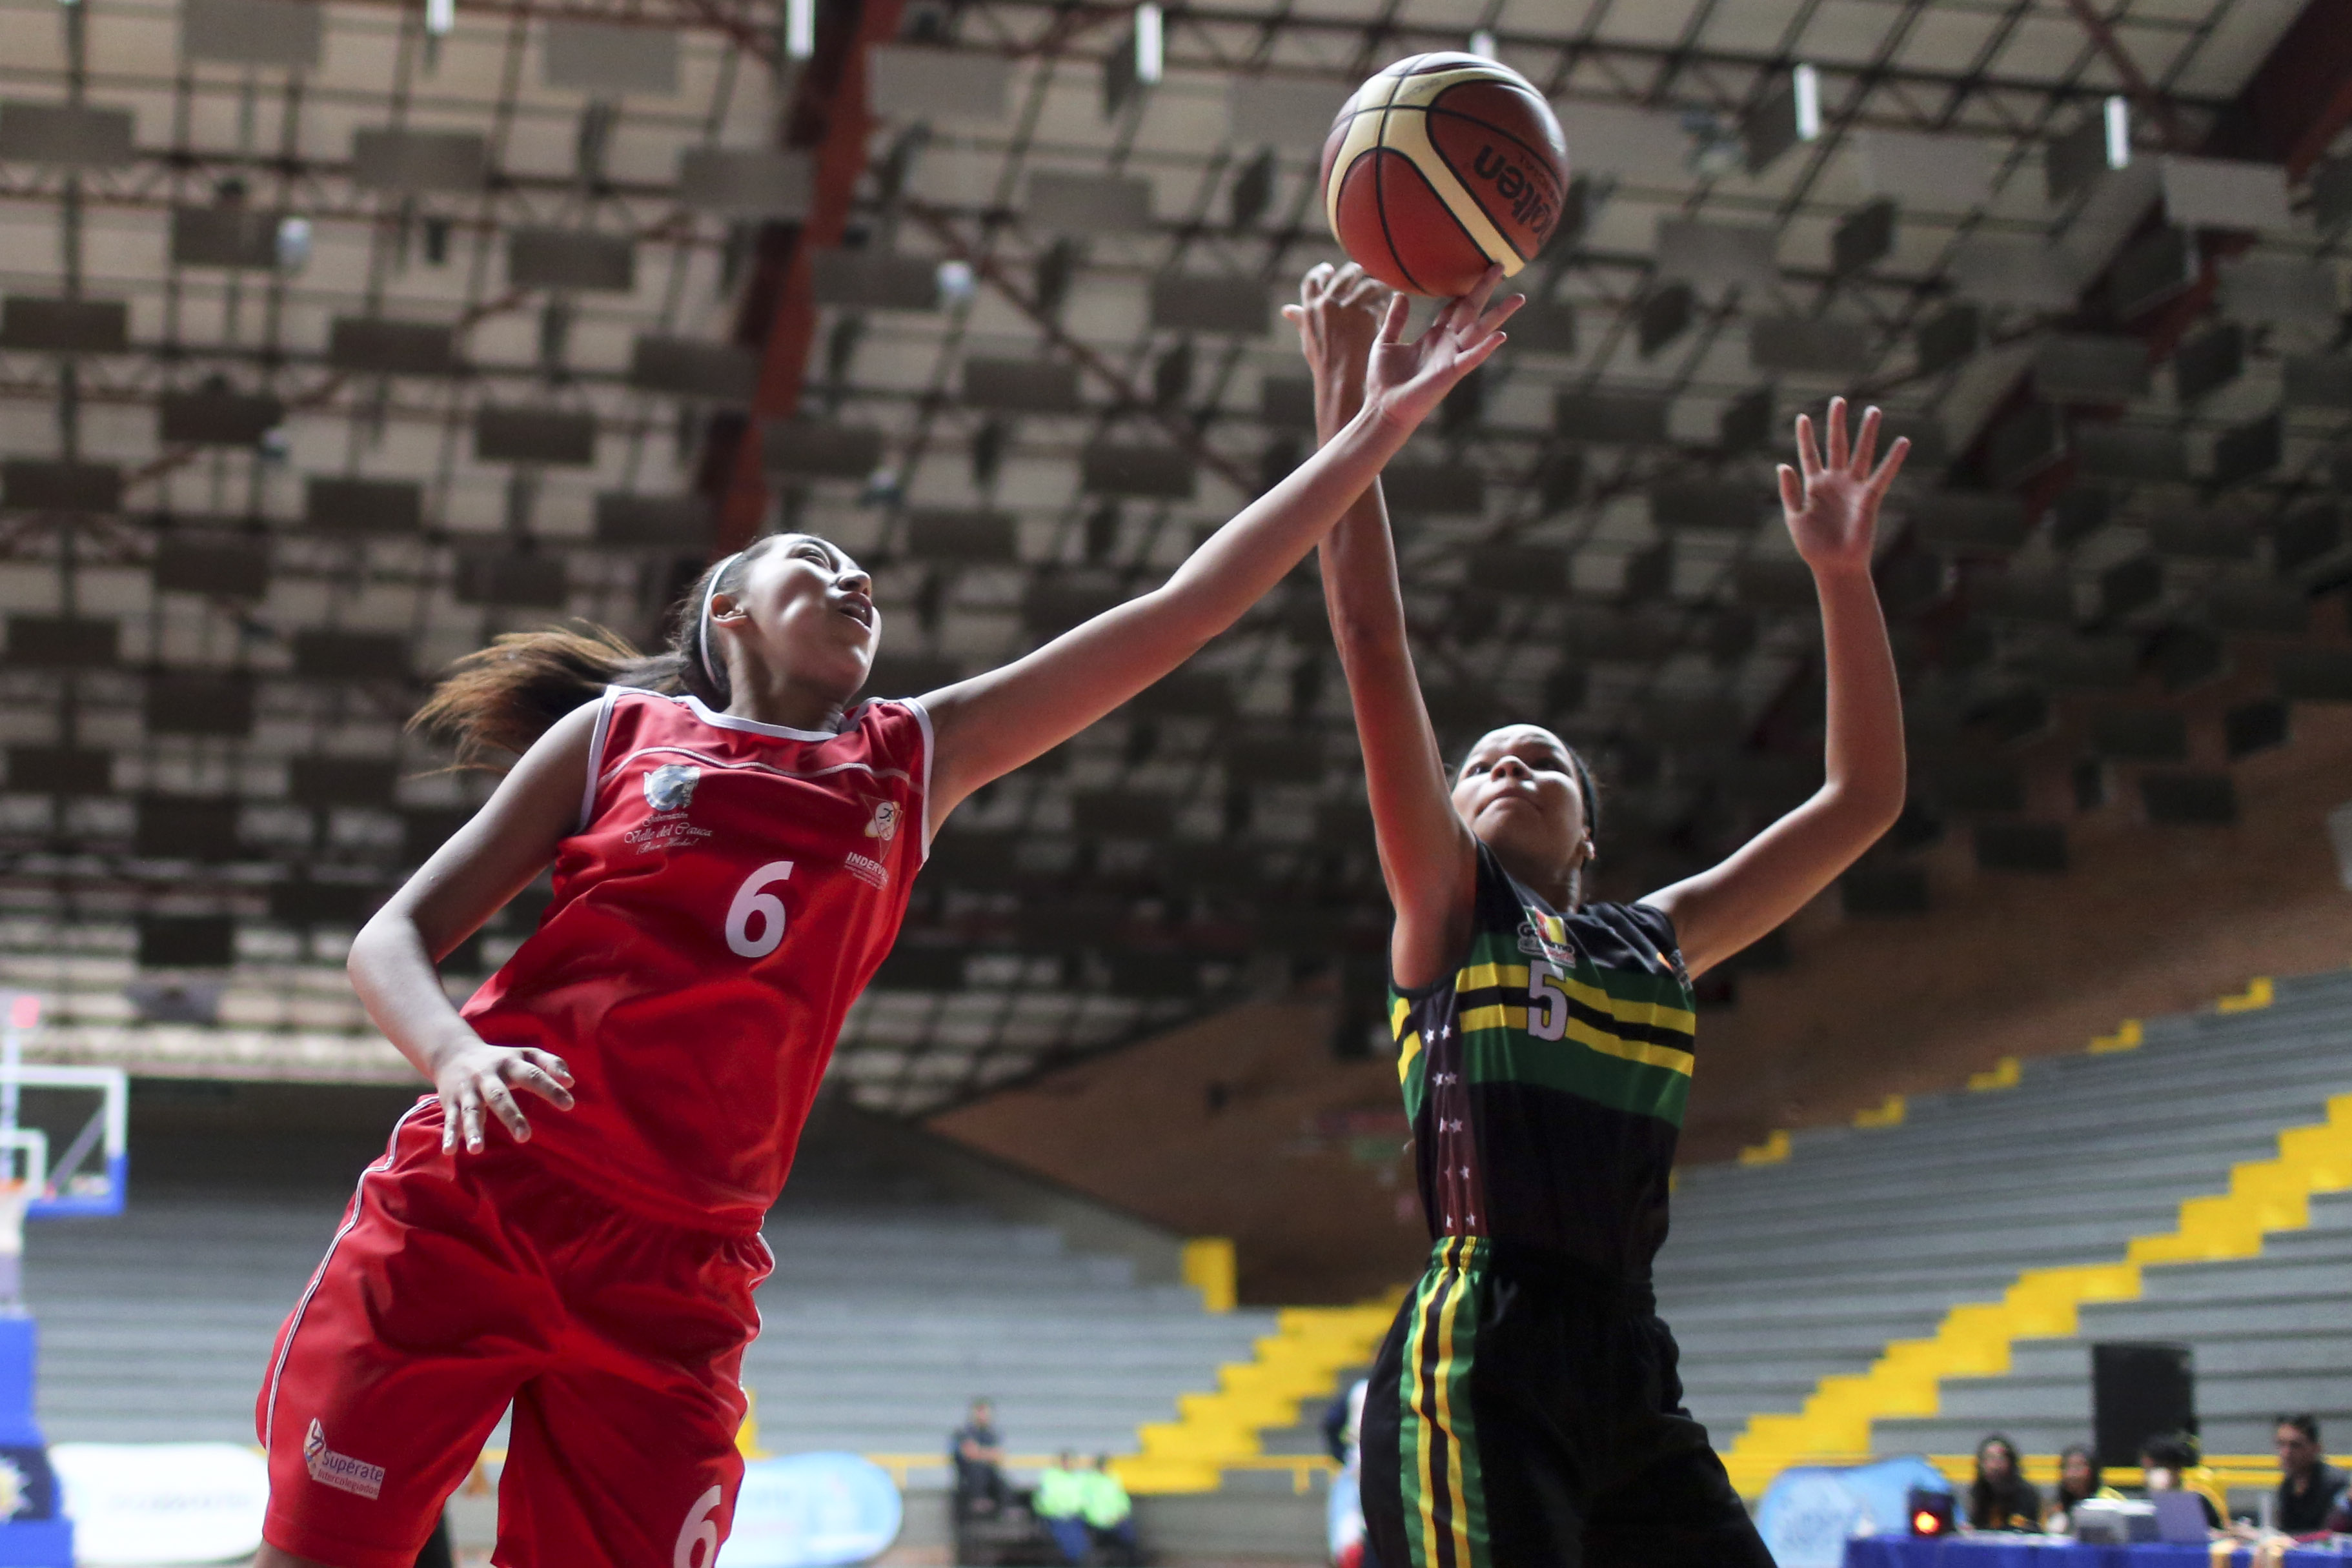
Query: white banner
{"points": [[135, 1504]]}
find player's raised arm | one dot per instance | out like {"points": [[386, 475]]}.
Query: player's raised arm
{"points": [[1831, 506], [991, 724]]}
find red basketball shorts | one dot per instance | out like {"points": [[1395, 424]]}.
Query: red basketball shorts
{"points": [[459, 1283]]}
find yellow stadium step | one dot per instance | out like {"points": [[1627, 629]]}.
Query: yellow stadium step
{"points": [[1974, 1338], [1299, 1361]]}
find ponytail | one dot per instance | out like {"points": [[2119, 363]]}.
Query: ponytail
{"points": [[501, 698]]}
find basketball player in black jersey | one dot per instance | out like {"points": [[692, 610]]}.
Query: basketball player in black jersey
{"points": [[1526, 1410]]}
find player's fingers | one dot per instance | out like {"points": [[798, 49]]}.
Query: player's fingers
{"points": [[1318, 278], [1497, 314], [1809, 455], [449, 1123], [1471, 359], [502, 1105], [1481, 291], [1392, 323], [1365, 292], [539, 1083], [1891, 467], [469, 1118], [1837, 454], [1792, 490], [547, 1061], [1865, 442]]}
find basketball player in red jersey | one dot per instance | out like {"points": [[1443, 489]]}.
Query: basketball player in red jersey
{"points": [[732, 840]]}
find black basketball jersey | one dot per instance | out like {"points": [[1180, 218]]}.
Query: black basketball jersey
{"points": [[1546, 1077]]}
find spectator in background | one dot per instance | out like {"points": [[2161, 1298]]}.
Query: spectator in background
{"points": [[1109, 1514], [1060, 1504], [2170, 1464], [2078, 1482], [2308, 1485], [1999, 1498], [977, 1454]]}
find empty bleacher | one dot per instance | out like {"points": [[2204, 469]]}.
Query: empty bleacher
{"points": [[892, 1304], [1779, 1274]]}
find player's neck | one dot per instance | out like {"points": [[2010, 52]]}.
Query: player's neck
{"points": [[778, 699], [1555, 884]]}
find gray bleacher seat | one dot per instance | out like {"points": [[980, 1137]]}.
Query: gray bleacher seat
{"points": [[1776, 1276]]}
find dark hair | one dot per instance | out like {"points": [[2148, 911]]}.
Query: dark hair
{"points": [[2302, 1422], [2068, 1499], [505, 697], [1578, 770], [2169, 1451], [1994, 1505]]}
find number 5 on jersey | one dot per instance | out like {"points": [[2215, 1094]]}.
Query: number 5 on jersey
{"points": [[1547, 1003], [752, 906]]}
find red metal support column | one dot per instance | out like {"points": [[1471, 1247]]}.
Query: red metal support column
{"points": [[829, 116]]}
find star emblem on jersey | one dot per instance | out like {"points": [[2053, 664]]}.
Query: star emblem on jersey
{"points": [[670, 788]]}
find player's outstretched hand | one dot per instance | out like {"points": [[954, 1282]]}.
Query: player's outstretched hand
{"points": [[1339, 320], [483, 1074], [1406, 380], [1832, 507]]}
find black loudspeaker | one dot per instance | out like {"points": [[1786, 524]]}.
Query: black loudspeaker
{"points": [[2138, 1392]]}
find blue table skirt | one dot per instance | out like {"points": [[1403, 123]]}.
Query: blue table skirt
{"points": [[1992, 1552]]}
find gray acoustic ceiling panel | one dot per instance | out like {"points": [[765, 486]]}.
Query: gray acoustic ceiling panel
{"points": [[605, 61], [200, 701], [222, 568], [819, 450], [2132, 453], [65, 135], [2318, 380], [35, 325], [2074, 158], [1294, 116], [2200, 536], [2209, 361], [875, 280], [1632, 419], [1949, 337], [342, 781], [2037, 599], [1075, 204], [2310, 534], [512, 577], [333, 654], [911, 81], [2249, 451], [746, 182], [1748, 422], [1053, 601], [1024, 386], [962, 537], [1862, 238], [2155, 268], [1433, 489], [1778, 120], [2001, 269], [2090, 368], [676, 522], [183, 828], [2130, 585], [45, 485], [571, 259], [1969, 520], [232, 236], [1716, 255], [419, 163], [1287, 402], [1145, 472], [1520, 570], [2224, 193], [59, 771], [2087, 664], [275, 34], [1210, 303], [1944, 174], [375, 346], [2024, 441], [2284, 289], [1704, 506], [695, 368], [362, 506], [1808, 346], [62, 641], [562, 438], [2035, 847], [1544, 327], [206, 416], [1666, 313], [1774, 584]]}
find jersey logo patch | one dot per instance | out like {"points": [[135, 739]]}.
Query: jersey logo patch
{"points": [[1545, 936], [670, 787], [340, 1471], [884, 825]]}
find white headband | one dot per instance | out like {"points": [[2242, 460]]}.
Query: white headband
{"points": [[702, 623]]}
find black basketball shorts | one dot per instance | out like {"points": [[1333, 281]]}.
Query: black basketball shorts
{"points": [[1521, 1416]]}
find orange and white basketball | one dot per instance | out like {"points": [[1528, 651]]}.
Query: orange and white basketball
{"points": [[1440, 166]]}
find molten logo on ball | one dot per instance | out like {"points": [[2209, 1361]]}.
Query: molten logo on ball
{"points": [[1440, 167]]}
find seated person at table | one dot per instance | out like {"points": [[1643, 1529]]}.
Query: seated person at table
{"points": [[2078, 1482], [2170, 1464], [1999, 1498], [2308, 1485]]}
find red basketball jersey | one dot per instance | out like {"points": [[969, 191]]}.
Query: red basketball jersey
{"points": [[731, 890]]}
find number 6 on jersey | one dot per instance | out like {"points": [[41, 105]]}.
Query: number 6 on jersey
{"points": [[750, 903]]}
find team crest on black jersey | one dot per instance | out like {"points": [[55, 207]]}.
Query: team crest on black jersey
{"points": [[1545, 936], [670, 788]]}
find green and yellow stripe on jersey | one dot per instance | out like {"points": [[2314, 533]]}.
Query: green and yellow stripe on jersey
{"points": [[1443, 1490]]}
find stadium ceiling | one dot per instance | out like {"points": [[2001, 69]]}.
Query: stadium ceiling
{"points": [[337, 338]]}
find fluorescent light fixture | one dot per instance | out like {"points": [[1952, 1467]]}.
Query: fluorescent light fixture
{"points": [[1151, 51], [1808, 83], [799, 29], [1482, 44], [2118, 116], [440, 17]]}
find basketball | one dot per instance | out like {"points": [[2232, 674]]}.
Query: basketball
{"points": [[1440, 166]]}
